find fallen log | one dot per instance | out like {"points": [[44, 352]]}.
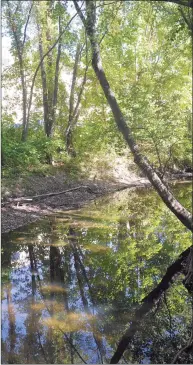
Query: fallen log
{"points": [[135, 184], [32, 198]]}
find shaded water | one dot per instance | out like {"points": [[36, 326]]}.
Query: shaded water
{"points": [[70, 283]]}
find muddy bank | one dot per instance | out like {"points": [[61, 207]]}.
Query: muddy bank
{"points": [[21, 204]]}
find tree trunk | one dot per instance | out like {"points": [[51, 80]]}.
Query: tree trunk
{"points": [[50, 92], [55, 93], [49, 72], [44, 81], [68, 133], [24, 101], [181, 213], [46, 98]]}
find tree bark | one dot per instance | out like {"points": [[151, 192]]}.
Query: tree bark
{"points": [[74, 108], [49, 126], [55, 93], [44, 81], [24, 101], [68, 133], [181, 213]]}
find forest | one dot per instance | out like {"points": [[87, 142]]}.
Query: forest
{"points": [[96, 156]]}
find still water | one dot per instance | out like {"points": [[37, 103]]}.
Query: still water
{"points": [[71, 282]]}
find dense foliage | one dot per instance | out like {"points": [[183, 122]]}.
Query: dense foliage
{"points": [[146, 53]]}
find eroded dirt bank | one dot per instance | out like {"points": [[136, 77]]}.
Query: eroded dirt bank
{"points": [[17, 212]]}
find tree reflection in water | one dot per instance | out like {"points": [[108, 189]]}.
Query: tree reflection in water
{"points": [[71, 284]]}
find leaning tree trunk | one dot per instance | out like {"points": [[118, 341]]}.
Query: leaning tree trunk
{"points": [[181, 213]]}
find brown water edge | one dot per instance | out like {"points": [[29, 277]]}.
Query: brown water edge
{"points": [[18, 214]]}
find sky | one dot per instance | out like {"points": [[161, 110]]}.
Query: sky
{"points": [[7, 58]]}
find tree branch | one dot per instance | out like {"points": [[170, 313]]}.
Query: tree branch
{"points": [[147, 304], [26, 25], [55, 94], [75, 113]]}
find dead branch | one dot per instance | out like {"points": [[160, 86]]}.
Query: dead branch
{"points": [[31, 198]]}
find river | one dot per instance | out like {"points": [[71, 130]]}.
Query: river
{"points": [[71, 282]]}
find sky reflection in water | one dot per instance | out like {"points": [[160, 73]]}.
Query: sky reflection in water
{"points": [[70, 283]]}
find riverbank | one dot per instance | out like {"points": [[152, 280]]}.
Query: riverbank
{"points": [[27, 200]]}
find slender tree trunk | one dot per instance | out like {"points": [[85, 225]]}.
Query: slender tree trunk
{"points": [[50, 88], [24, 101], [68, 133], [49, 72], [55, 93], [44, 81], [181, 213], [47, 103], [74, 108]]}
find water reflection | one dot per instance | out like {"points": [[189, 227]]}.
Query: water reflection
{"points": [[70, 283]]}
